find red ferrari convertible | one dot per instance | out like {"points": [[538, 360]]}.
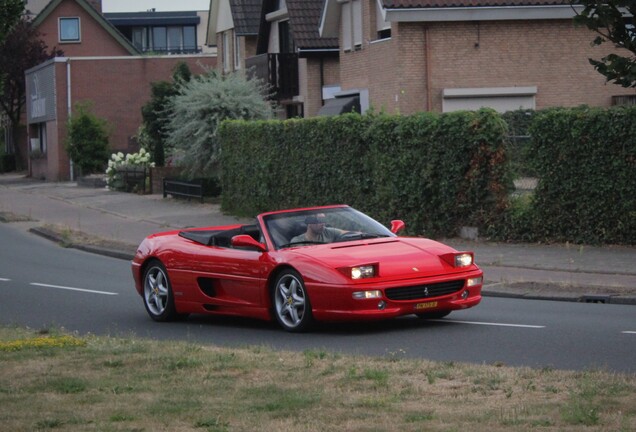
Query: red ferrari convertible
{"points": [[299, 266]]}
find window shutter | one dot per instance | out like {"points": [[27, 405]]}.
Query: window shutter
{"points": [[357, 22], [345, 21]]}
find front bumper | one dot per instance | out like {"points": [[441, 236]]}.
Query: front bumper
{"points": [[337, 303]]}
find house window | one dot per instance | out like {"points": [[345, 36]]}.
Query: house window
{"points": [[352, 25], [189, 39], [69, 29], [501, 99], [165, 39], [140, 38], [38, 139], [174, 39], [159, 41], [286, 41], [237, 53], [383, 27]]}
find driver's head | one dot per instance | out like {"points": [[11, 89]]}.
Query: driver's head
{"points": [[316, 224]]}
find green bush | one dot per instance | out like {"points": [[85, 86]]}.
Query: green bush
{"points": [[87, 140], [201, 104], [586, 159], [437, 172]]}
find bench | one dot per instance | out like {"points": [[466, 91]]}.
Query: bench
{"points": [[183, 188]]}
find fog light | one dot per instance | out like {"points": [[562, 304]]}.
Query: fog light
{"points": [[465, 294], [381, 305], [361, 295], [474, 281]]}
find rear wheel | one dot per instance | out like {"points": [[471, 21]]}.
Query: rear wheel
{"points": [[292, 307], [433, 315], [157, 294]]}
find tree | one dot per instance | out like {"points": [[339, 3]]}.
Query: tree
{"points": [[201, 105], [10, 13], [87, 140], [22, 49], [613, 21], [156, 113]]}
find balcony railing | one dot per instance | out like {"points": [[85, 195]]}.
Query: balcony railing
{"points": [[280, 71], [166, 50]]}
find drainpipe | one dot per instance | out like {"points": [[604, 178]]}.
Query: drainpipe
{"points": [[322, 79], [69, 105]]}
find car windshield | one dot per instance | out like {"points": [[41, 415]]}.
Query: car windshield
{"points": [[324, 225]]}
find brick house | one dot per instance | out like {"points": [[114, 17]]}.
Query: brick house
{"points": [[233, 28], [278, 41], [442, 55], [100, 65]]}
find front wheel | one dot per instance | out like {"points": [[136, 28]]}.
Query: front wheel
{"points": [[157, 294], [291, 302]]}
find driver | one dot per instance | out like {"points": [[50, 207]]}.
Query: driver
{"points": [[317, 231]]}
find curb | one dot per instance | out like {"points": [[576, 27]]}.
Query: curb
{"points": [[99, 250], [614, 299]]}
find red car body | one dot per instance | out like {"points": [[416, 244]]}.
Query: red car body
{"points": [[235, 270]]}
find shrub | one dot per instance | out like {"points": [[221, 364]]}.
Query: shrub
{"points": [[201, 105], [119, 163], [437, 172], [586, 158], [156, 113], [87, 140]]}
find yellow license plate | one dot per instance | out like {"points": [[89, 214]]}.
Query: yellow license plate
{"points": [[426, 305]]}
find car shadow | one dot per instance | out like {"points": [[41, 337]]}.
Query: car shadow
{"points": [[341, 328]]}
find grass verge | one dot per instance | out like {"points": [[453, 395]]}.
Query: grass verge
{"points": [[51, 380]]}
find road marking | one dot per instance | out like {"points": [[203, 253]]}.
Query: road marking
{"points": [[629, 332], [72, 289], [5, 280], [489, 324]]}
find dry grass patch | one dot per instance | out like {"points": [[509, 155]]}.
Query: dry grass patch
{"points": [[115, 384]]}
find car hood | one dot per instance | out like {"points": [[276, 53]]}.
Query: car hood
{"points": [[398, 258]]}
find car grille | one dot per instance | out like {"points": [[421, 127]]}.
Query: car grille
{"points": [[424, 291]]}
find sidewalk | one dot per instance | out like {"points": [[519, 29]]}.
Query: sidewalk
{"points": [[557, 272]]}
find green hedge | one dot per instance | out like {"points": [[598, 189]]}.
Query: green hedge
{"points": [[436, 172], [586, 158]]}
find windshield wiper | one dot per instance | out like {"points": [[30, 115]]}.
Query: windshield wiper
{"points": [[360, 236], [304, 242]]}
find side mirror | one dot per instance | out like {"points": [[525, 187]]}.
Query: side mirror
{"points": [[397, 226], [244, 240]]}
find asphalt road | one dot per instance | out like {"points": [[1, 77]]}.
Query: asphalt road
{"points": [[43, 285]]}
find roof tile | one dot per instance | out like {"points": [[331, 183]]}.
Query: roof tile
{"points": [[246, 15], [304, 19]]}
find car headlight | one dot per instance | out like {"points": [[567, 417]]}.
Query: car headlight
{"points": [[360, 272], [363, 272], [458, 259], [463, 260]]}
